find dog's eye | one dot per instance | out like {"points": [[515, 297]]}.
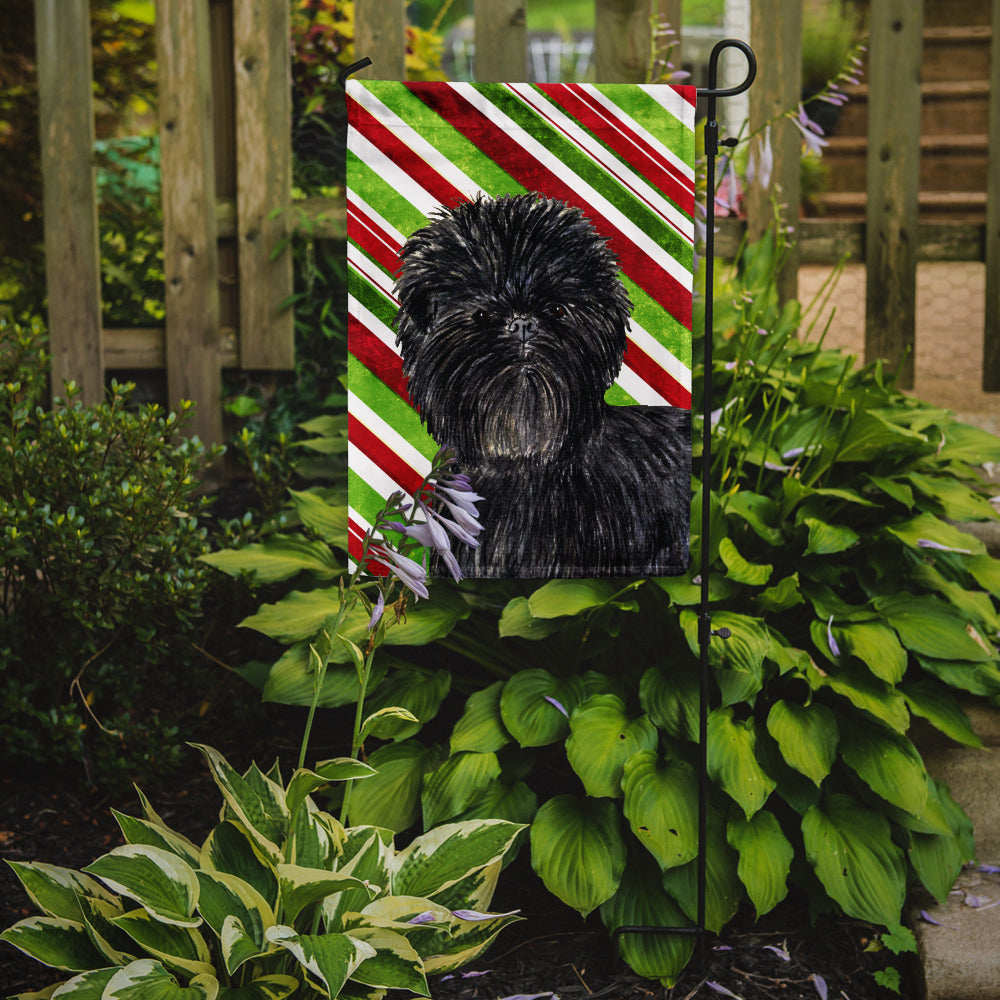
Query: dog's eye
{"points": [[558, 310], [480, 316]]}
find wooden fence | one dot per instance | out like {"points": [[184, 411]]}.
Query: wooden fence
{"points": [[226, 160]]}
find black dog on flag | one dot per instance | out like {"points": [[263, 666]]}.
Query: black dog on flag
{"points": [[512, 325]]}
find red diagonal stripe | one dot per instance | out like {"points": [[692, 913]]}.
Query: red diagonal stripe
{"points": [[629, 145], [656, 376], [535, 176], [415, 166], [373, 239], [382, 455], [355, 546], [382, 362]]}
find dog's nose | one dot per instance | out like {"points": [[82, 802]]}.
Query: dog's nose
{"points": [[523, 327]]}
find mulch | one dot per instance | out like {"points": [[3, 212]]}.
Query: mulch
{"points": [[551, 953]]}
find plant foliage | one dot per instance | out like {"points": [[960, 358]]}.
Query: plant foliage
{"points": [[280, 899]]}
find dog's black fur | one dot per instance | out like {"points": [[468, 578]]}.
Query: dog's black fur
{"points": [[512, 325]]}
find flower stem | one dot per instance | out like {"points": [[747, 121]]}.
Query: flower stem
{"points": [[356, 738]]}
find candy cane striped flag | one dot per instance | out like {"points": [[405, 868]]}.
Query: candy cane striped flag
{"points": [[623, 154]]}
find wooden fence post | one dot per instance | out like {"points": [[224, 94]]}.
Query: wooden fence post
{"points": [[501, 40], [72, 256], [991, 333], [776, 35], [190, 251], [893, 183], [380, 34], [262, 61], [622, 40]]}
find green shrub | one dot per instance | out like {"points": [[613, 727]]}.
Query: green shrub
{"points": [[280, 899], [99, 539]]}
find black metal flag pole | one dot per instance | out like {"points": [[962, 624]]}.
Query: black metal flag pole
{"points": [[705, 631]]}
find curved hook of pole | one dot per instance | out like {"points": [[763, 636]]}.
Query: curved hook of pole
{"points": [[713, 69], [348, 70]]}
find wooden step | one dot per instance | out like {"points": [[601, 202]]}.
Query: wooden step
{"points": [[940, 13], [947, 163], [945, 104], [958, 206], [956, 53]]}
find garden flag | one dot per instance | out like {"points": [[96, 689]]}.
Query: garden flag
{"points": [[520, 270]]}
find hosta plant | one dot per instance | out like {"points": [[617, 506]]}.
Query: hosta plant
{"points": [[279, 900]]}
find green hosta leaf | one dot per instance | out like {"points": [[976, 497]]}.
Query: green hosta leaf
{"points": [[975, 605], [230, 849], [937, 860], [528, 714], [291, 680], [827, 539], [517, 620], [765, 858], [807, 736], [671, 699], [301, 887], [661, 799], [279, 558], [274, 987], [54, 941], [304, 782], [783, 595], [441, 857], [456, 784], [941, 709], [578, 851], [684, 592], [141, 831], [416, 689], [869, 436], [330, 959], [732, 760], [752, 574], [850, 847], [958, 502], [876, 646], [760, 512], [147, 979], [723, 889], [481, 728], [225, 897], [263, 812], [391, 798], [386, 723], [641, 901], [515, 803], [602, 738], [888, 763], [325, 519], [932, 628], [986, 571], [558, 598], [159, 881], [738, 661], [965, 443], [395, 964], [893, 488], [180, 948], [976, 678], [865, 692], [56, 891], [928, 528]]}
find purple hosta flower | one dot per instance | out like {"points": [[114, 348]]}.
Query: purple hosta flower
{"points": [[531, 996], [377, 611], [780, 952], [427, 917], [475, 915], [760, 166], [927, 543], [927, 918], [552, 701], [811, 132], [719, 988], [990, 869], [820, 983], [834, 648], [431, 534], [727, 197], [465, 975], [409, 572]]}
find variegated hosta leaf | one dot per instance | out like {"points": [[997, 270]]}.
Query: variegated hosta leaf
{"points": [[578, 851], [177, 947], [274, 987], [256, 801], [602, 737], [315, 839], [367, 853], [300, 887], [456, 784], [807, 736], [54, 941], [86, 986], [661, 799], [56, 891], [116, 946], [850, 847], [481, 727], [441, 857], [158, 880], [475, 891], [765, 858], [141, 831], [642, 902], [395, 964], [147, 979], [225, 897], [467, 940], [304, 782], [732, 760], [329, 959], [230, 849]]}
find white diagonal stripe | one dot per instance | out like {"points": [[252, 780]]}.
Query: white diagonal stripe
{"points": [[388, 435], [679, 371]]}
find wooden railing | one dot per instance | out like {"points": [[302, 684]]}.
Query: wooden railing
{"points": [[226, 160]]}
